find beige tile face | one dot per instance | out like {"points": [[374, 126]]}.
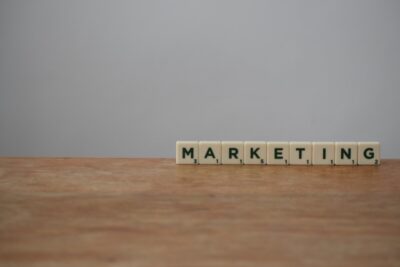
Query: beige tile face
{"points": [[187, 152], [369, 153], [323, 153], [346, 153], [255, 152], [232, 152], [278, 153], [300, 153], [210, 152]]}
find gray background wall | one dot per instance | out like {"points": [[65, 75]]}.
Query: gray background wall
{"points": [[129, 78]]}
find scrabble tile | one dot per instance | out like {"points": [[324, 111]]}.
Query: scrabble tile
{"points": [[346, 153], [210, 152], [255, 152], [369, 153], [232, 152], [187, 152], [300, 153], [278, 153], [323, 153]]}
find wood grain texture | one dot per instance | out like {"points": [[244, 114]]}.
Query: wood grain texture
{"points": [[151, 212]]}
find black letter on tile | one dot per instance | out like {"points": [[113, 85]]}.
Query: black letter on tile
{"points": [[253, 152], [278, 153], [187, 152], [210, 153], [233, 152], [370, 155], [300, 149], [343, 152]]}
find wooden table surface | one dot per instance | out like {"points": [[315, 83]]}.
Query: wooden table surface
{"points": [[151, 212]]}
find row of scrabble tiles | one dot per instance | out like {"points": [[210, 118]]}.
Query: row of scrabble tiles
{"points": [[278, 153]]}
